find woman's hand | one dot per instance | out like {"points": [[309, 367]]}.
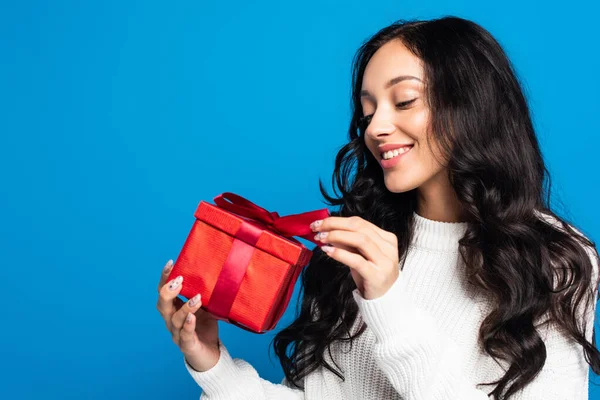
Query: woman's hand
{"points": [[369, 251], [195, 331]]}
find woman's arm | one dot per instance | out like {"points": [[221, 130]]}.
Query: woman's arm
{"points": [[236, 379], [423, 363], [418, 360]]}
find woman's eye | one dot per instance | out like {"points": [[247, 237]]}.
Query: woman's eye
{"points": [[366, 120], [403, 104]]}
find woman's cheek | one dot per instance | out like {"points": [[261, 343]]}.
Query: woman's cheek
{"points": [[416, 122]]}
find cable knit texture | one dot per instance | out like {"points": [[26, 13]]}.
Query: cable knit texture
{"points": [[420, 342]]}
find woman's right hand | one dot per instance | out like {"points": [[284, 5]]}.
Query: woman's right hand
{"points": [[194, 330]]}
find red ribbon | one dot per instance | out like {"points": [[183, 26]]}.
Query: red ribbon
{"points": [[288, 226]]}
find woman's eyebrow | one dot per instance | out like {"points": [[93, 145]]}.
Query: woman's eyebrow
{"points": [[390, 83]]}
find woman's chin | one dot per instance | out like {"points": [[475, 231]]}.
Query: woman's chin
{"points": [[395, 186]]}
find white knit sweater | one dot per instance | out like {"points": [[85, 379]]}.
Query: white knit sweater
{"points": [[420, 342]]}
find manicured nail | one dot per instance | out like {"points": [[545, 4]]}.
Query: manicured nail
{"points": [[321, 235], [168, 266], [175, 283], [194, 300], [327, 249], [316, 224], [188, 319]]}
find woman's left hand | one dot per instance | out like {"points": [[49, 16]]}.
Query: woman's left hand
{"points": [[369, 251]]}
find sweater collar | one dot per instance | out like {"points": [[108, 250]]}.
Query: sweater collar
{"points": [[437, 235]]}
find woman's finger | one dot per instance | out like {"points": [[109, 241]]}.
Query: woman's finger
{"points": [[356, 262], [357, 224], [178, 318], [347, 248], [165, 274], [187, 336], [360, 241], [167, 294], [388, 237]]}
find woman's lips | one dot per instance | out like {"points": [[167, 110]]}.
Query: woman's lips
{"points": [[394, 160]]}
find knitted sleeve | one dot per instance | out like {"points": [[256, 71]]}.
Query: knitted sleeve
{"points": [[236, 379], [423, 363]]}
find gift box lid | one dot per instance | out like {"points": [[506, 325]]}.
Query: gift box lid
{"points": [[287, 249]]}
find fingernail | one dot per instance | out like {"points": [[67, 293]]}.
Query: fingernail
{"points": [[175, 283], [188, 319], [316, 224], [327, 249], [194, 300], [321, 235], [168, 266]]}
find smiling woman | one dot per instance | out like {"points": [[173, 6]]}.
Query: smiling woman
{"points": [[444, 274]]}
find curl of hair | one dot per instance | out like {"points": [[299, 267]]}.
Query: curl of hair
{"points": [[534, 267]]}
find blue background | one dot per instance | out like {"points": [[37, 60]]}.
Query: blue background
{"points": [[117, 118]]}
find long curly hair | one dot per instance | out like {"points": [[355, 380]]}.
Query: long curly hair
{"points": [[527, 266]]}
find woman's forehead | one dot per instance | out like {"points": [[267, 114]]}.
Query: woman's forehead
{"points": [[392, 60]]}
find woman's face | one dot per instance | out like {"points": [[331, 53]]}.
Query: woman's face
{"points": [[399, 116]]}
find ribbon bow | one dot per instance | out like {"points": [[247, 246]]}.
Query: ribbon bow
{"points": [[288, 226]]}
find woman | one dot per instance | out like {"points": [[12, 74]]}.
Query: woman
{"points": [[447, 276]]}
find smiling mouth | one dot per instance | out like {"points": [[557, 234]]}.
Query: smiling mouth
{"points": [[388, 155]]}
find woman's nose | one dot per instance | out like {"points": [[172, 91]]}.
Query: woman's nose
{"points": [[380, 127]]}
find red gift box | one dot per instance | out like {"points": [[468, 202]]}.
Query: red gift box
{"points": [[244, 261]]}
